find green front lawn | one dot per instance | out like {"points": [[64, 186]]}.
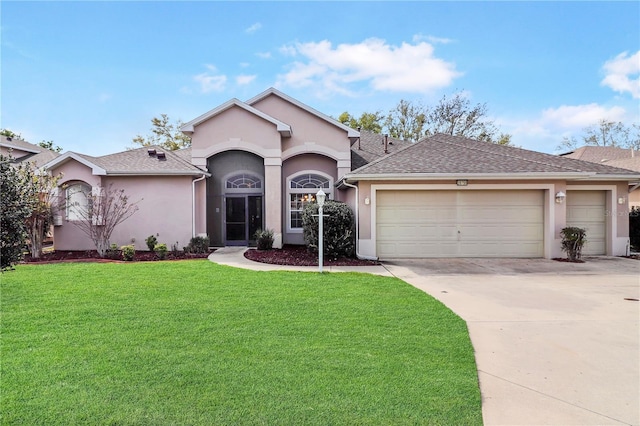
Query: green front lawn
{"points": [[193, 342]]}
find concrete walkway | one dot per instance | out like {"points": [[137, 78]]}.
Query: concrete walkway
{"points": [[234, 256], [555, 343]]}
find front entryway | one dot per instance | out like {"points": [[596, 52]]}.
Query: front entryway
{"points": [[243, 217]]}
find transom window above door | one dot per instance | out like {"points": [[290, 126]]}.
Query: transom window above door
{"points": [[301, 191], [244, 181]]}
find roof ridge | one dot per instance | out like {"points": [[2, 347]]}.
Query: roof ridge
{"points": [[521, 157]]}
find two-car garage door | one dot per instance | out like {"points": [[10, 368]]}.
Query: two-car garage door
{"points": [[460, 223]]}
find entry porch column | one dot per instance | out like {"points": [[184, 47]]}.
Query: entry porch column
{"points": [[273, 198]]}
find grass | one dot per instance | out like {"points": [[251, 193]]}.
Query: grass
{"points": [[195, 343]]}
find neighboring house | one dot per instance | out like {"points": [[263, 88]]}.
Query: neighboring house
{"points": [[625, 158], [22, 151], [255, 164]]}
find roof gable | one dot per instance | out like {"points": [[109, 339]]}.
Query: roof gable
{"points": [[351, 133], [189, 128]]}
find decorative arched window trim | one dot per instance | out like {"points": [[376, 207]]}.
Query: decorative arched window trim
{"points": [[301, 189]]}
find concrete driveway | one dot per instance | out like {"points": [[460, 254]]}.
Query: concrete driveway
{"points": [[555, 343]]}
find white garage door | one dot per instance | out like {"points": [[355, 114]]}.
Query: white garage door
{"points": [[586, 209], [459, 224]]}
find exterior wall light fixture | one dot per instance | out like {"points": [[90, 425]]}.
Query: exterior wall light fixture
{"points": [[560, 196]]}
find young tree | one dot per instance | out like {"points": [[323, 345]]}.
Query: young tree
{"points": [[8, 133], [38, 192], [13, 210], [371, 121], [107, 208], [50, 146], [164, 134], [456, 116], [406, 121], [605, 133]]}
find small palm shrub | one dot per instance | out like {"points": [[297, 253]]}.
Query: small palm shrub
{"points": [[128, 252], [339, 229], [161, 250], [573, 240], [264, 239]]}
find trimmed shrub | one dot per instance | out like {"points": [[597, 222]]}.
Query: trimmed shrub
{"points": [[573, 239], [198, 245], [113, 252], [151, 242], [161, 250], [264, 239], [338, 225], [128, 252], [634, 228]]}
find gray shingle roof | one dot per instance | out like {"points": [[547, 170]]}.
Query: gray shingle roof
{"points": [[625, 163], [138, 161], [446, 154], [598, 154], [39, 155], [371, 147]]}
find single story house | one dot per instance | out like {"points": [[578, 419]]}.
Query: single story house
{"points": [[625, 158], [255, 164]]}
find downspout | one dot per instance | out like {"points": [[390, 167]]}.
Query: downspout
{"points": [[358, 255], [193, 204]]}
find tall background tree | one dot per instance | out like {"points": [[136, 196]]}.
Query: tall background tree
{"points": [[605, 133], [454, 115], [164, 134]]}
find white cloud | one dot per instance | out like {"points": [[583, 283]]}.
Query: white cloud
{"points": [[579, 116], [432, 39], [620, 72], [253, 28], [209, 82], [264, 55], [546, 131], [404, 68], [245, 79]]}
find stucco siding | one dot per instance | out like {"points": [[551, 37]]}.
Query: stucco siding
{"points": [[308, 129], [164, 210]]}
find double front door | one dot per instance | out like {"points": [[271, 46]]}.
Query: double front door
{"points": [[243, 217]]}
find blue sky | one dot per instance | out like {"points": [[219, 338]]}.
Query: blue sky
{"points": [[91, 75]]}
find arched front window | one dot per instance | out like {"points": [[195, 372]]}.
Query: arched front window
{"points": [[301, 190], [78, 196]]}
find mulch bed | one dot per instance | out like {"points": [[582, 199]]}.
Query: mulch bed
{"points": [[300, 256], [92, 256]]}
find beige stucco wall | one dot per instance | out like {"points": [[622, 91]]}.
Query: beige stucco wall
{"points": [[164, 209], [13, 152]]}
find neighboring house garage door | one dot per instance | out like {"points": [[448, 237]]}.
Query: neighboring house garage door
{"points": [[586, 209], [459, 223]]}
